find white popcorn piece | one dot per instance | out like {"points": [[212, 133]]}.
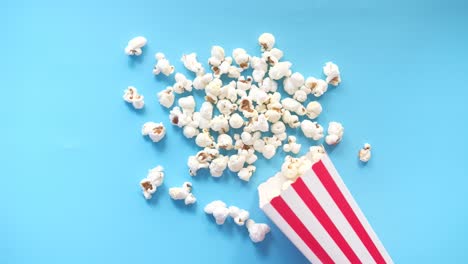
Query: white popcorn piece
{"points": [[236, 121], [156, 131], [190, 131], [273, 56], [194, 165], [153, 180], [183, 193], [314, 109], [259, 96], [234, 72], [312, 130], [269, 85], [316, 86], [182, 84], [365, 153], [187, 104], [240, 216], [225, 142], [246, 173], [241, 58], [202, 80], [260, 68], [236, 163], [247, 108], [269, 151], [257, 232], [191, 63], [220, 124], [291, 120], [226, 107], [274, 115], [229, 92], [278, 128], [293, 168], [217, 56], [132, 96], [218, 165], [247, 138], [134, 46], [162, 65], [179, 118], [292, 146], [166, 97], [219, 211], [205, 140], [259, 123], [213, 90], [300, 96], [315, 153], [280, 70], [244, 83], [259, 145], [266, 41], [223, 68], [249, 152], [335, 133], [292, 83], [332, 72]]}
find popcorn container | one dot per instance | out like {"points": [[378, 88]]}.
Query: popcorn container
{"points": [[321, 218]]}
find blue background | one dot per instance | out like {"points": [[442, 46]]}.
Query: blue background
{"points": [[71, 153]]}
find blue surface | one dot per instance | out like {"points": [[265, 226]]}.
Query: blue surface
{"points": [[71, 152]]}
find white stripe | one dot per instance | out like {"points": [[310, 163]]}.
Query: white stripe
{"points": [[341, 185], [271, 212], [313, 225], [332, 210]]}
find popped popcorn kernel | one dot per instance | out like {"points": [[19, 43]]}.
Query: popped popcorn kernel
{"points": [[332, 72], [153, 180], [183, 193], [257, 232], [335, 133], [156, 131], [312, 130], [163, 65], [132, 96], [134, 46], [266, 41], [365, 153], [219, 211]]}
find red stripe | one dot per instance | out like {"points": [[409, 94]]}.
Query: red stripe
{"points": [[290, 217], [316, 209], [337, 196]]}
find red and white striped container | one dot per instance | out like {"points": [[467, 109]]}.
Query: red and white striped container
{"points": [[319, 215]]}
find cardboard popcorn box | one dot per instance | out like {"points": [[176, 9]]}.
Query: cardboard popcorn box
{"points": [[319, 215]]}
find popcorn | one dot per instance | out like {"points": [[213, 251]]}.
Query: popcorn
{"points": [[202, 80], [187, 104], [236, 121], [249, 153], [204, 139], [274, 115], [269, 151], [246, 173], [257, 232], [292, 83], [218, 165], [280, 70], [178, 118], [312, 129], [219, 124], [213, 90], [293, 168], [292, 146], [259, 96], [335, 133], [191, 63], [236, 163], [182, 84], [217, 56], [240, 216], [134, 46], [195, 164], [316, 87], [332, 72], [132, 96], [163, 65], [291, 120], [365, 153], [153, 180], [278, 128], [260, 67], [206, 110], [269, 85], [229, 92], [293, 106], [166, 97], [234, 72], [272, 56], [244, 83], [219, 211], [300, 96], [223, 68], [225, 142], [190, 131], [183, 193], [259, 145], [226, 107], [259, 123], [246, 107], [314, 109], [241, 58], [266, 41], [315, 153], [156, 131]]}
